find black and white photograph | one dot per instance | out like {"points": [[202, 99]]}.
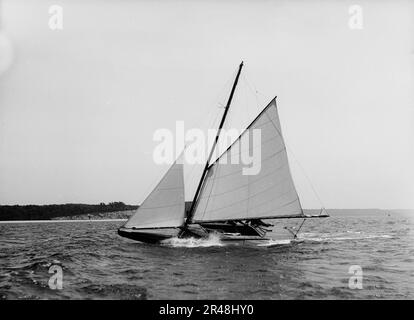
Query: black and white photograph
{"points": [[206, 150]]}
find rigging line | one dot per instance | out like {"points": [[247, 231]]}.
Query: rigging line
{"points": [[324, 221], [210, 124], [320, 223], [246, 103], [284, 143], [249, 152], [206, 167], [291, 229], [229, 150], [254, 90], [222, 94], [248, 196], [208, 119], [307, 178], [248, 128], [300, 227], [209, 116], [211, 190], [297, 161], [154, 183], [192, 171]]}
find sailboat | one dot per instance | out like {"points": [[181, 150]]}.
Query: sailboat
{"points": [[227, 203]]}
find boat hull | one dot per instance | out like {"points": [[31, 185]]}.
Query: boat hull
{"points": [[243, 230], [149, 235], [157, 235]]}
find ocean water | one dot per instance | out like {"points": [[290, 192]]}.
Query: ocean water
{"points": [[98, 264]]}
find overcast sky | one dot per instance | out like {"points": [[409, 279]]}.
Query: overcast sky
{"points": [[79, 106]]}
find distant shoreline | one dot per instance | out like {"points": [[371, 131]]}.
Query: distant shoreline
{"points": [[121, 212], [60, 220], [69, 211]]}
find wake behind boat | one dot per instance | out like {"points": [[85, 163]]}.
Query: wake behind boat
{"points": [[227, 202]]}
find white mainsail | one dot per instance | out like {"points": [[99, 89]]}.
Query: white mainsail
{"points": [[228, 194], [164, 207]]}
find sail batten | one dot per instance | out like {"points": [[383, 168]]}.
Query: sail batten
{"points": [[228, 194]]}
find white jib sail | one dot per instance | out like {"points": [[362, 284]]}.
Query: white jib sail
{"points": [[164, 207], [228, 194]]}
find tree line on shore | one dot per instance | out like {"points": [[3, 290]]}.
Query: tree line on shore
{"points": [[48, 212]]}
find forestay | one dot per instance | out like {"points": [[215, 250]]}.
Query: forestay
{"points": [[228, 194], [164, 207]]}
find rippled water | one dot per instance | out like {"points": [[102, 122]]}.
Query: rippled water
{"points": [[98, 264]]}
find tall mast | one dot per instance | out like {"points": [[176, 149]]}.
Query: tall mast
{"points": [[226, 110]]}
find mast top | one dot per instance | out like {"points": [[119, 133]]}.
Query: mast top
{"points": [[200, 184]]}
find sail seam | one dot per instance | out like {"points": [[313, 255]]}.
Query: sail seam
{"points": [[259, 146], [248, 127], [282, 216], [237, 202], [245, 185], [172, 188], [280, 133], [276, 192], [262, 160], [160, 207], [243, 134], [211, 190], [289, 203], [254, 148]]}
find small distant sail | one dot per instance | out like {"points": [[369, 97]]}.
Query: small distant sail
{"points": [[164, 207], [227, 194]]}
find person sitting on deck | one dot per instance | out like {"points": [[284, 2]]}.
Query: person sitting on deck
{"points": [[259, 223]]}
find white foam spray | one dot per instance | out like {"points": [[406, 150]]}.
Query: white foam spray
{"points": [[212, 241], [349, 235], [275, 243]]}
